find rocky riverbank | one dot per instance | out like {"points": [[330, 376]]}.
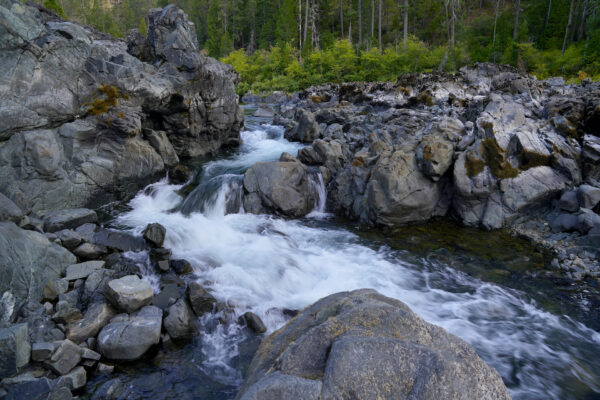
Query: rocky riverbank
{"points": [[488, 146]]}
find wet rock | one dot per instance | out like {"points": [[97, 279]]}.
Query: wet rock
{"points": [[180, 321], [128, 337], [180, 174], [591, 159], [110, 390], [83, 270], [181, 267], [564, 223], [168, 295], [118, 240], [66, 356], [103, 368], [60, 393], [162, 145], [155, 234], [27, 261], [370, 345], [279, 187], [163, 266], [95, 318], [588, 196], [9, 211], [254, 322], [75, 379], [586, 220], [68, 219], [129, 293], [160, 254], [200, 299], [15, 349], [264, 112], [93, 288]]}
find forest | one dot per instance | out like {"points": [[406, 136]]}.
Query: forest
{"points": [[291, 44]]}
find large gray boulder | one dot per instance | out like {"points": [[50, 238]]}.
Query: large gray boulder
{"points": [[75, 102], [128, 337], [69, 219], [306, 129], [9, 211], [278, 187], [28, 260], [15, 349], [372, 347]]}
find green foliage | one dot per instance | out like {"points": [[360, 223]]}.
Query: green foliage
{"points": [[53, 5], [214, 42]]}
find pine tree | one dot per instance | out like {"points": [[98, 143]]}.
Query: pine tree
{"points": [[213, 30]]}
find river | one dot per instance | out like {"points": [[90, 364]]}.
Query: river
{"points": [[269, 265]]}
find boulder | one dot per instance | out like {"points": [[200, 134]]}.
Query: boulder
{"points": [[55, 288], [200, 299], [569, 201], [90, 251], [9, 211], [180, 321], [279, 187], [15, 349], [69, 238], [42, 351], [94, 319], [306, 128], [588, 196], [435, 157], [155, 234], [369, 345], [66, 356], [27, 261], [68, 219], [128, 337], [129, 293], [76, 379], [118, 240], [37, 389], [254, 322]]}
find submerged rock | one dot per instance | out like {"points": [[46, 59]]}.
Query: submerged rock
{"points": [[369, 345]]}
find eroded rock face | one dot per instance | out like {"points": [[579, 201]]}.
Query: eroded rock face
{"points": [[76, 102], [369, 345]]}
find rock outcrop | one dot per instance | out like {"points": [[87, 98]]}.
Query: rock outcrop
{"points": [[363, 345], [88, 118], [486, 145]]}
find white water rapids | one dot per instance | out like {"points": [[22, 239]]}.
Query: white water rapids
{"points": [[265, 264]]}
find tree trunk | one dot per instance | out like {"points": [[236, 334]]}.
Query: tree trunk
{"points": [[548, 14], [581, 30], [359, 22], [379, 29], [452, 19], [305, 21], [300, 24], [372, 19], [564, 46], [342, 17], [516, 26], [405, 23]]}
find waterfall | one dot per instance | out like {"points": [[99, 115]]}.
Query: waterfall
{"points": [[319, 191], [218, 196]]}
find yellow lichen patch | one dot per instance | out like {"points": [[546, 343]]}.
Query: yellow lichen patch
{"points": [[496, 160], [428, 153], [102, 105], [530, 159], [473, 164], [358, 162], [319, 99]]}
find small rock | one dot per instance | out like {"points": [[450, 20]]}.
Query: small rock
{"points": [[65, 357], [155, 234], [73, 380], [34, 389], [96, 317], [60, 393], [69, 238], [568, 201], [15, 349], [54, 288], [88, 354], [180, 322], [129, 293], [118, 240], [110, 390], [103, 368], [254, 322], [160, 254], [163, 266], [87, 231], [89, 251], [67, 316], [68, 219], [200, 299], [48, 308], [31, 223], [181, 267], [42, 351], [287, 157], [83, 270]]}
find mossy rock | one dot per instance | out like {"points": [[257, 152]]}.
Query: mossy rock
{"points": [[495, 158], [110, 99], [531, 159], [473, 164]]}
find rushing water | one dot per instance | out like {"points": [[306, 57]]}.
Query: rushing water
{"points": [[267, 264]]}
